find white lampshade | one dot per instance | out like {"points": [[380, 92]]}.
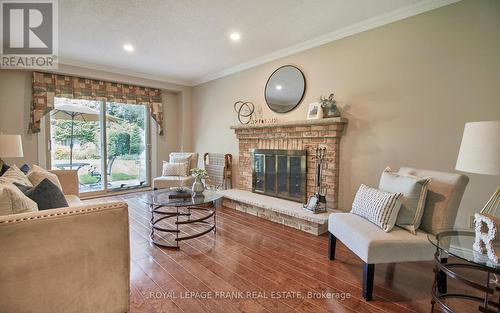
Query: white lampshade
{"points": [[11, 146], [480, 148]]}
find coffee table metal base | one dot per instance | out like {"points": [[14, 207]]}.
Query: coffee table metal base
{"points": [[158, 214]]}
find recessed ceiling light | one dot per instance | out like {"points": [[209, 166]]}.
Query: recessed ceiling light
{"points": [[128, 47], [235, 36], [278, 87]]}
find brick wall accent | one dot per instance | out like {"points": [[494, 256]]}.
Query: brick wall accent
{"points": [[301, 135]]}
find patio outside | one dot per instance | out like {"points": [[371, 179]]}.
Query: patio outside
{"points": [[76, 139]]}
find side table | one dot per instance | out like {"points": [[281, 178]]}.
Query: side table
{"points": [[458, 243]]}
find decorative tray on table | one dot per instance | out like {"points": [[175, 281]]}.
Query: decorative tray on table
{"points": [[180, 193]]}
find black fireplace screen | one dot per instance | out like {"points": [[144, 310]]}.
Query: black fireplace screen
{"points": [[280, 173]]}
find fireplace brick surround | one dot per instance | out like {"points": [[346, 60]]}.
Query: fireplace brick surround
{"points": [[298, 135]]}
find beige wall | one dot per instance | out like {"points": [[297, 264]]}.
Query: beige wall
{"points": [[15, 97], [407, 89]]}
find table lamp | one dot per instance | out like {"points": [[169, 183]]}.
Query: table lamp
{"points": [[11, 146], [480, 153]]}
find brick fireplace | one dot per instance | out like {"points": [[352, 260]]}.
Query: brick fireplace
{"points": [[298, 135]]}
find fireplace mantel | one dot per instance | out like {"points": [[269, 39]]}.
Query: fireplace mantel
{"points": [[324, 121]]}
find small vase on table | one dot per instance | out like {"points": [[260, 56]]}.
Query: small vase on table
{"points": [[198, 186]]}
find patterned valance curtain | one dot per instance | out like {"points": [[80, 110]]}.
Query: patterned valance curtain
{"points": [[46, 86]]}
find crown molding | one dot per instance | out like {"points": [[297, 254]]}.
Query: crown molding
{"points": [[356, 28], [121, 71]]}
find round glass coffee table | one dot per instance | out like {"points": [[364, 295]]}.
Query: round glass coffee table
{"points": [[172, 215], [458, 243]]}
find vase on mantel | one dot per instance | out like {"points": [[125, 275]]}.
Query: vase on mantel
{"points": [[329, 106], [198, 187]]}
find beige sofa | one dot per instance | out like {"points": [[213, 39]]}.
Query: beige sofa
{"points": [[74, 259]]}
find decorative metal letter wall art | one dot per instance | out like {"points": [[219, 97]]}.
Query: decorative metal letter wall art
{"points": [[486, 242], [258, 117], [245, 111], [264, 121]]}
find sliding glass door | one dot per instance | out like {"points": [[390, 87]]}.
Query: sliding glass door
{"points": [[107, 143], [127, 138]]}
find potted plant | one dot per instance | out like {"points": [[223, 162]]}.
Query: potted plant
{"points": [[198, 186], [329, 106]]}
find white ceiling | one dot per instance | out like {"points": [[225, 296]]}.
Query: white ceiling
{"points": [[186, 41]]}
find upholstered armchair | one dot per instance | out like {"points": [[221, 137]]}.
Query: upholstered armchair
{"points": [[374, 246], [167, 181]]}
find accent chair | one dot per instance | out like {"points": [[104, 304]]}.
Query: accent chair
{"points": [[177, 181], [374, 246]]}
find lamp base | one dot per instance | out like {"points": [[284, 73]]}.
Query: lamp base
{"points": [[493, 203]]}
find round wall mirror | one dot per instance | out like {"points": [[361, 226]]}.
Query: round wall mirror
{"points": [[285, 89]]}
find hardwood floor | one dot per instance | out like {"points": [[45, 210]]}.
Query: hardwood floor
{"points": [[253, 265]]}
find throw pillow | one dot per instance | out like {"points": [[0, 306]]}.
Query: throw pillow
{"points": [[4, 168], [14, 175], [414, 190], [379, 207], [46, 195], [38, 174], [25, 169], [175, 169], [13, 201], [182, 159]]}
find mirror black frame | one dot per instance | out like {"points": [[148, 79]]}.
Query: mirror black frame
{"points": [[303, 92]]}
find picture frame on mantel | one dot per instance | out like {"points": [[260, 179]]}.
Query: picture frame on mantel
{"points": [[315, 111]]}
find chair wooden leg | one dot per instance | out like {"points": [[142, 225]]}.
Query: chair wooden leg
{"points": [[368, 272], [442, 283], [332, 241]]}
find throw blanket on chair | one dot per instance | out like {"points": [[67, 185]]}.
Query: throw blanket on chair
{"points": [[218, 166]]}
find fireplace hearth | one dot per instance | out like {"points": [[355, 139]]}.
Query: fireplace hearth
{"points": [[280, 173]]}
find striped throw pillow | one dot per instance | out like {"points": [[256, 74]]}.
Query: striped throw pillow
{"points": [[13, 201], [14, 175], [379, 207]]}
